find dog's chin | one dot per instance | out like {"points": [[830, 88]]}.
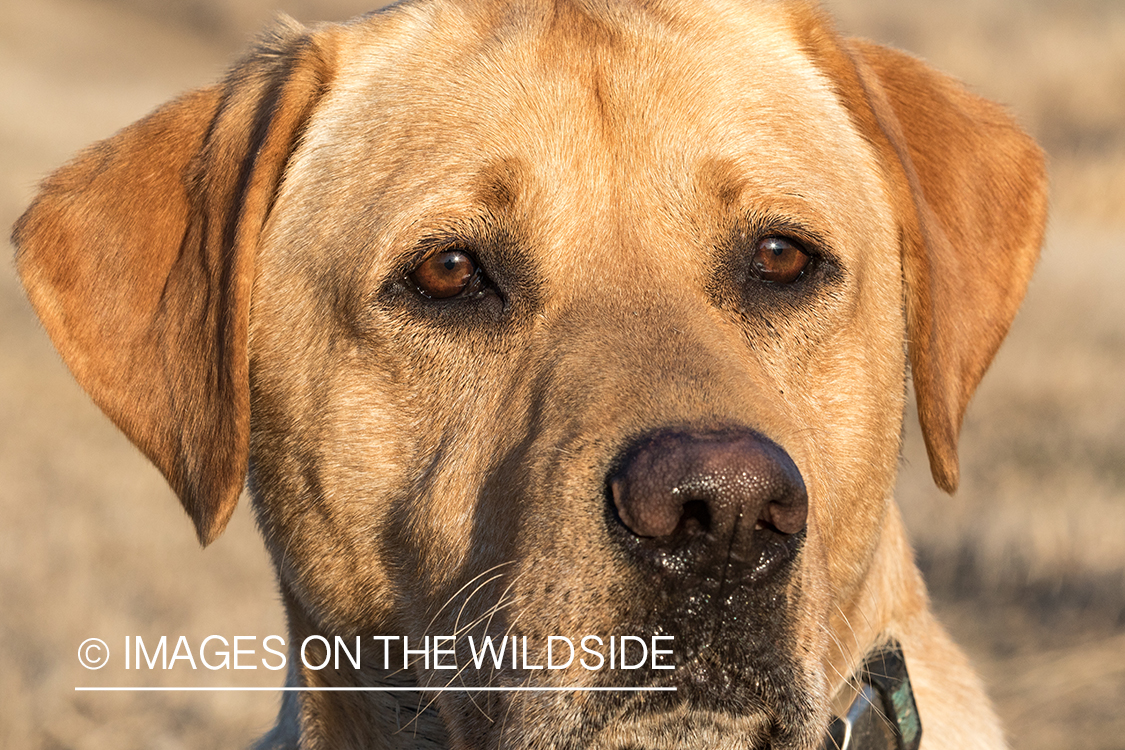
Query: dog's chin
{"points": [[688, 719], [681, 728], [687, 728]]}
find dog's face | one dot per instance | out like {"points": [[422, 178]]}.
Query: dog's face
{"points": [[452, 363], [564, 320]]}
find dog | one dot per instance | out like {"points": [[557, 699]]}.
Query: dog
{"points": [[533, 319]]}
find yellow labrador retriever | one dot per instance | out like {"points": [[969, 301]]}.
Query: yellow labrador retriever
{"points": [[560, 322]]}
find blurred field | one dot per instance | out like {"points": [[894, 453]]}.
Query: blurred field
{"points": [[1026, 563]]}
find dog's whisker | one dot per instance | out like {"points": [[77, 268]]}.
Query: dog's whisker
{"points": [[488, 625], [486, 617], [464, 604], [503, 602], [466, 585], [832, 636], [851, 630], [853, 689]]}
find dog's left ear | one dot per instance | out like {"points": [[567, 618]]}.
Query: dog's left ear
{"points": [[138, 257], [970, 192], [971, 238]]}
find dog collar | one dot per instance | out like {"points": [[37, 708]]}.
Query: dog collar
{"points": [[882, 716]]}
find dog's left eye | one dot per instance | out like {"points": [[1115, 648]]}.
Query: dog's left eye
{"points": [[446, 274], [779, 260]]}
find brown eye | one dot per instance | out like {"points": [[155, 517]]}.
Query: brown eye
{"points": [[444, 274], [778, 260]]}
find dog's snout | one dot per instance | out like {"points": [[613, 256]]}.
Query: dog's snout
{"points": [[712, 496]]}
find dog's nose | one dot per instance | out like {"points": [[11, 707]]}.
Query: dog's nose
{"points": [[715, 498]]}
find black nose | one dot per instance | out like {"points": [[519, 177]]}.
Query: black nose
{"points": [[697, 500]]}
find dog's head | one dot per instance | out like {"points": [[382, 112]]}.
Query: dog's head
{"points": [[557, 318]]}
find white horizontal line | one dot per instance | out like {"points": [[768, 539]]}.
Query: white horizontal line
{"points": [[378, 689]]}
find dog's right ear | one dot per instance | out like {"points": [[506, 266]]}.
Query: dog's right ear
{"points": [[138, 257]]}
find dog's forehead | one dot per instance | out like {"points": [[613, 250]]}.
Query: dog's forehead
{"points": [[589, 116]]}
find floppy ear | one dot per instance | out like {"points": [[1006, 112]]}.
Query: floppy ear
{"points": [[138, 257], [969, 189], [971, 237]]}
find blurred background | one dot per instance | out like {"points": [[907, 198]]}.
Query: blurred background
{"points": [[1026, 563]]}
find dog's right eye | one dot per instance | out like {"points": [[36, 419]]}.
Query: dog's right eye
{"points": [[447, 273], [779, 260]]}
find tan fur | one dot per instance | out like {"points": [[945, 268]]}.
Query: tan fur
{"points": [[225, 279]]}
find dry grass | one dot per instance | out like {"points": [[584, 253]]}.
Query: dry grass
{"points": [[1027, 562]]}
